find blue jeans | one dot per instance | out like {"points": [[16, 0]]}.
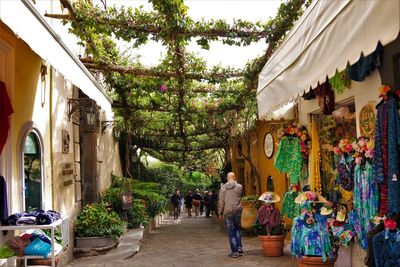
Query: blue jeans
{"points": [[233, 224]]}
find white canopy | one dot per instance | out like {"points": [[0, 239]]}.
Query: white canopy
{"points": [[328, 36], [24, 20]]}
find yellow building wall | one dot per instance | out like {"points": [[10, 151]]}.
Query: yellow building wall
{"points": [[27, 107], [265, 166]]}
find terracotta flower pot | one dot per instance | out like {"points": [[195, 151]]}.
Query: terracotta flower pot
{"points": [[307, 261], [249, 215], [272, 245]]}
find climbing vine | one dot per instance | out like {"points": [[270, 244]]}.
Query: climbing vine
{"points": [[178, 111]]}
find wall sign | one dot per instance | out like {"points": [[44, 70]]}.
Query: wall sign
{"points": [[65, 141], [367, 120], [67, 172]]}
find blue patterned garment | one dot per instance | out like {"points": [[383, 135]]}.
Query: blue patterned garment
{"points": [[365, 200], [310, 239], [393, 155], [386, 246]]}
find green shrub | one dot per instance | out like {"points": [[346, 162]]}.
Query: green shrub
{"points": [[98, 220], [137, 214], [259, 229], [251, 200]]}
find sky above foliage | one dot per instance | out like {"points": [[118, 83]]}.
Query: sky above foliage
{"points": [[219, 53]]}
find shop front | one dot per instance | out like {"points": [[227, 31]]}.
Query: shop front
{"points": [[340, 65], [57, 147]]}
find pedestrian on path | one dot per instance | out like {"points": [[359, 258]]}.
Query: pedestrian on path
{"points": [[188, 203], [202, 203], [230, 210], [175, 201], [207, 203], [197, 199], [213, 206]]}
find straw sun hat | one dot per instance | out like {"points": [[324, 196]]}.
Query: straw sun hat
{"points": [[269, 197], [310, 196]]}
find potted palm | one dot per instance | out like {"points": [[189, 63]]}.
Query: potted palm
{"points": [[269, 228], [249, 213]]}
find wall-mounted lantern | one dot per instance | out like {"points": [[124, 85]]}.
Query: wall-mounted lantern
{"points": [[86, 110]]}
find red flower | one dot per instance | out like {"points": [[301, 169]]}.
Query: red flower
{"points": [[390, 224]]}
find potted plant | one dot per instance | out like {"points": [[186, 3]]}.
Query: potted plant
{"points": [[249, 213], [268, 227], [97, 226]]}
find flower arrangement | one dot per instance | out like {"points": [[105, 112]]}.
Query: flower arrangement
{"points": [[300, 132], [385, 90], [360, 149]]}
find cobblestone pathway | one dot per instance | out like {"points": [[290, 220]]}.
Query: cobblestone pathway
{"points": [[198, 242]]}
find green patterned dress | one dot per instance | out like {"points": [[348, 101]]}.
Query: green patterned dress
{"points": [[289, 158]]}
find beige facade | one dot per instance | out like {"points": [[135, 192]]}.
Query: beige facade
{"points": [[40, 95]]}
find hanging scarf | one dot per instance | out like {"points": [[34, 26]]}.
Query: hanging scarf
{"points": [[315, 159]]}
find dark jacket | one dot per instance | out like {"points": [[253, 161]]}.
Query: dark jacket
{"points": [[175, 200], [197, 196], [207, 200], [188, 201]]}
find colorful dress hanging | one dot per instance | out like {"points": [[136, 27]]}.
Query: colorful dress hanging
{"points": [[315, 160], [290, 208], [326, 97], [269, 217], [380, 160], [365, 65], [365, 201], [340, 81], [310, 237], [289, 158]]}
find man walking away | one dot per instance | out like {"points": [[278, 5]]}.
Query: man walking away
{"points": [[188, 203], [175, 200], [214, 203], [197, 199], [230, 210], [207, 203]]}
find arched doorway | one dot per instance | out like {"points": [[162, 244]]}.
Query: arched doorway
{"points": [[32, 172], [31, 169]]}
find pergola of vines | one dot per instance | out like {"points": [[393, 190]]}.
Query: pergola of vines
{"points": [[178, 111]]}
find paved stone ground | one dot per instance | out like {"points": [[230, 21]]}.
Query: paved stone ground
{"points": [[194, 242]]}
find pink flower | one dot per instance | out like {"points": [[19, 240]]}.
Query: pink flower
{"points": [[310, 195], [130, 94], [358, 160], [163, 88]]}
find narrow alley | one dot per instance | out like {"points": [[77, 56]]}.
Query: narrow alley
{"points": [[194, 242]]}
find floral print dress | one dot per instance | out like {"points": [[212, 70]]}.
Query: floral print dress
{"points": [[310, 239], [289, 158], [366, 201], [290, 208]]}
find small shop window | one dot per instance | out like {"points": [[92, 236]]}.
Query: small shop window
{"points": [[32, 172], [332, 128]]}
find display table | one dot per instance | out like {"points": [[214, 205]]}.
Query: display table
{"points": [[55, 248]]}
